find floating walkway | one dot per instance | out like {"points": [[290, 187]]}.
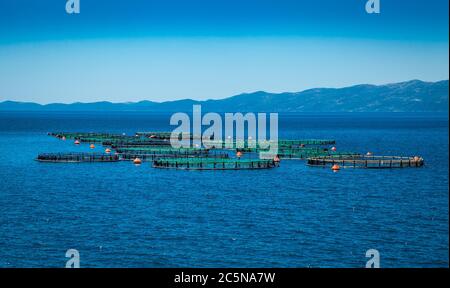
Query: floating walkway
{"points": [[213, 164], [77, 157], [375, 162]]}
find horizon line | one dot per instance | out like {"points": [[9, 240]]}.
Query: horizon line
{"points": [[211, 99]]}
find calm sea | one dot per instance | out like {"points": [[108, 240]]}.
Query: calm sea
{"points": [[121, 215]]}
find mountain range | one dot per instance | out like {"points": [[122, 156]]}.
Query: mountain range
{"points": [[409, 96]]}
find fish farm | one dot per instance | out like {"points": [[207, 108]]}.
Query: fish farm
{"points": [[162, 150], [77, 157], [367, 161], [208, 154], [214, 163], [146, 156]]}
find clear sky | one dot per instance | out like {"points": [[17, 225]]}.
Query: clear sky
{"points": [[131, 50]]}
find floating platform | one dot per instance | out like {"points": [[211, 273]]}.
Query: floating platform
{"points": [[375, 162], [77, 157], [213, 164]]}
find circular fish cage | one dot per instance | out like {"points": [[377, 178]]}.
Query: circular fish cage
{"points": [[87, 136], [213, 164], [153, 156], [293, 143], [168, 135], [161, 150], [368, 162], [76, 157], [299, 153], [304, 153], [137, 143], [256, 145]]}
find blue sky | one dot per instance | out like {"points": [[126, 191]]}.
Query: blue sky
{"points": [[158, 50]]}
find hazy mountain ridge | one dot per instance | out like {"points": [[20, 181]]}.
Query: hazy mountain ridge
{"points": [[410, 96]]}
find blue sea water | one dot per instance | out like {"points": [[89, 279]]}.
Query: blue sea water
{"points": [[122, 215]]}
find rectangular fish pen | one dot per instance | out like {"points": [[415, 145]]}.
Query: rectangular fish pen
{"points": [[362, 161], [213, 164], [76, 157]]}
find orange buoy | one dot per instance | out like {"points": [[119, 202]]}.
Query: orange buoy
{"points": [[107, 150], [333, 148], [239, 154], [137, 161], [76, 142], [335, 167], [92, 146]]}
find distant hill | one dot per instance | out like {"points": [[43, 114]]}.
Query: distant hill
{"points": [[410, 96]]}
